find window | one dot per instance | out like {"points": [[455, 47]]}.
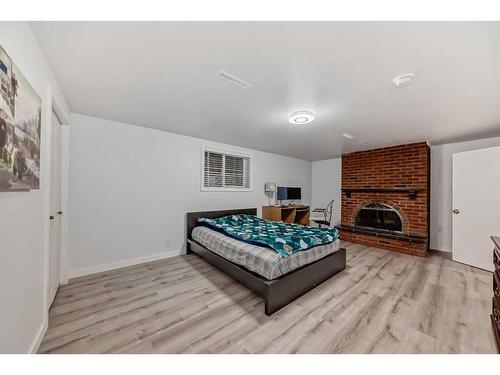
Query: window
{"points": [[225, 171]]}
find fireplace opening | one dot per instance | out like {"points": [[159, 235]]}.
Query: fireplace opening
{"points": [[379, 216]]}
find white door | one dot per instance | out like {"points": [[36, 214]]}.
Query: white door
{"points": [[55, 209], [476, 206]]}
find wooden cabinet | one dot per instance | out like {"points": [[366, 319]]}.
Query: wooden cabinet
{"points": [[298, 214], [495, 314]]}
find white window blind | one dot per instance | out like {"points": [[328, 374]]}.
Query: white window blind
{"points": [[223, 171]]}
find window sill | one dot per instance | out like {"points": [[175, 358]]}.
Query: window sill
{"points": [[243, 190]]}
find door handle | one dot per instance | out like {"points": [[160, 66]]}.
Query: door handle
{"points": [[455, 211], [51, 217], [60, 212]]}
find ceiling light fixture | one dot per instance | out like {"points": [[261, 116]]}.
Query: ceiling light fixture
{"points": [[300, 117], [348, 136], [403, 80]]}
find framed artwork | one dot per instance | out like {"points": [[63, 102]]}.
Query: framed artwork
{"points": [[20, 129]]}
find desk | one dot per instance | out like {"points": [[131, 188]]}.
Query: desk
{"points": [[298, 214]]}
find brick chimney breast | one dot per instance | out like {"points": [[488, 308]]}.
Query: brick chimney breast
{"points": [[398, 178]]}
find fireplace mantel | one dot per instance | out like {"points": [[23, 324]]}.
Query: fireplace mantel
{"points": [[411, 190]]}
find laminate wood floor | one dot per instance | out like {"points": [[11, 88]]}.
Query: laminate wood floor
{"points": [[384, 302]]}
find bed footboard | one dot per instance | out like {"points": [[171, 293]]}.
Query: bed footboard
{"points": [[291, 286], [279, 292]]}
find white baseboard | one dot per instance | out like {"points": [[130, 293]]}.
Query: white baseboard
{"points": [[52, 295], [123, 263], [39, 337]]}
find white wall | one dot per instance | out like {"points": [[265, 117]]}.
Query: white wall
{"points": [[441, 188], [23, 215], [130, 188], [326, 180]]}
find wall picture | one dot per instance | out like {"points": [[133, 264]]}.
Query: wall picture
{"points": [[20, 127]]}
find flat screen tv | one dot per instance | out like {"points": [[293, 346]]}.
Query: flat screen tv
{"points": [[289, 193]]}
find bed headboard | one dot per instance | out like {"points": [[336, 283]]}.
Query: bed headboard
{"points": [[192, 217]]}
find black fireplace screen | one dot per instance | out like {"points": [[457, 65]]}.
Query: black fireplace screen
{"points": [[380, 216]]}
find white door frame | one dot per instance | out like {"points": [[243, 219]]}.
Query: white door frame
{"points": [[63, 120], [48, 108]]}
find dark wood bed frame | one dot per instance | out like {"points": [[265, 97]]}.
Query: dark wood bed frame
{"points": [[276, 293]]}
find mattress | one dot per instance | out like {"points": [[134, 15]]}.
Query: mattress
{"points": [[261, 260]]}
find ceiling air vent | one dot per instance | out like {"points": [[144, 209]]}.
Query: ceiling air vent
{"points": [[233, 79]]}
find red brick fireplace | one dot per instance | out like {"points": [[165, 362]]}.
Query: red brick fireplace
{"points": [[385, 198]]}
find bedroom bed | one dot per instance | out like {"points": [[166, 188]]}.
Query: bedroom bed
{"points": [[279, 280]]}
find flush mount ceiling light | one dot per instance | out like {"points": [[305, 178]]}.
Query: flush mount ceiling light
{"points": [[300, 117], [348, 136], [403, 80]]}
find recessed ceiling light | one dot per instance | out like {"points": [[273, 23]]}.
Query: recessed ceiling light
{"points": [[300, 117], [348, 136], [403, 80]]}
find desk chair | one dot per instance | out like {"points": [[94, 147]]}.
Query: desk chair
{"points": [[327, 214]]}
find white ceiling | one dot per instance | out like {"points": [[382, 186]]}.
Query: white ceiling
{"points": [[163, 75]]}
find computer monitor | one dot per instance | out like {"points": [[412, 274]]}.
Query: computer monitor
{"points": [[281, 194], [285, 193], [294, 193]]}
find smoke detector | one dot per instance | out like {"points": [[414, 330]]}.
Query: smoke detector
{"points": [[403, 80], [229, 77], [300, 117]]}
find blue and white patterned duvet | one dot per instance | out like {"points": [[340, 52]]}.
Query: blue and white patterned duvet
{"points": [[283, 238]]}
